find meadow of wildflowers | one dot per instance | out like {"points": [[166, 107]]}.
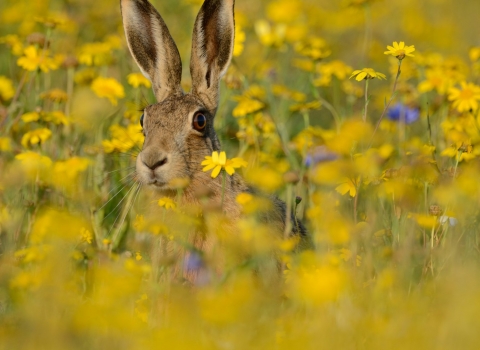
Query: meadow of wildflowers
{"points": [[362, 115]]}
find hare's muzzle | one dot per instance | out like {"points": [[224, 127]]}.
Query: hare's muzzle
{"points": [[150, 166]]}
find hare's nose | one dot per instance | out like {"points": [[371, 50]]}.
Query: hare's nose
{"points": [[154, 162]]}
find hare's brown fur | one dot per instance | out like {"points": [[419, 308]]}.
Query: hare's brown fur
{"points": [[173, 148]]}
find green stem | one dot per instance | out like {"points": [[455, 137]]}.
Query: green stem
{"points": [[388, 103], [306, 119], [366, 101], [224, 180]]}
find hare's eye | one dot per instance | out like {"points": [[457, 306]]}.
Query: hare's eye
{"points": [[141, 121], [199, 121]]}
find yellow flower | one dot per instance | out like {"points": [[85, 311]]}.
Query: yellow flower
{"points": [[109, 88], [246, 106], [435, 79], [249, 102], [69, 169], [239, 40], [218, 162], [55, 95], [96, 54], [56, 117], [400, 50], [6, 88], [166, 203], [347, 186], [283, 91], [123, 139], [306, 106], [244, 198], [367, 73], [13, 42], [334, 68], [85, 76], [30, 117], [35, 59], [35, 137], [314, 48], [34, 164], [5, 144], [284, 11], [50, 21], [137, 79], [465, 99], [270, 36], [474, 53], [86, 235]]}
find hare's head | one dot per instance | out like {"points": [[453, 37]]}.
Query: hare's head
{"points": [[179, 127]]}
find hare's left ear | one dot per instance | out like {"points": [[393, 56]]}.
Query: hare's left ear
{"points": [[212, 48], [152, 47]]}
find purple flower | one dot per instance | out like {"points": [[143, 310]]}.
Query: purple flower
{"points": [[193, 262], [319, 154], [402, 112]]}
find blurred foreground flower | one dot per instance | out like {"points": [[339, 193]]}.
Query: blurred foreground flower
{"points": [[402, 112], [5, 144], [66, 173], [218, 162], [466, 98], [400, 50], [367, 73], [109, 88], [320, 154], [34, 164], [6, 88], [347, 186], [166, 203]]}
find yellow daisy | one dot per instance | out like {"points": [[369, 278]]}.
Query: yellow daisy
{"points": [[466, 98], [35, 137], [108, 88], [400, 50], [217, 162], [367, 73]]}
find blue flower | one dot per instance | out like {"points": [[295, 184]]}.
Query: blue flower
{"points": [[402, 112], [319, 154]]}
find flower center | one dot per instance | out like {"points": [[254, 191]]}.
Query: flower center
{"points": [[466, 94]]}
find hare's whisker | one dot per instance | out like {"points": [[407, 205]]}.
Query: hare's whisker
{"points": [[137, 190], [114, 171], [120, 202], [114, 189]]}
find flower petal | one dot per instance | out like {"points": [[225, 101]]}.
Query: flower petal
{"points": [[216, 171]]}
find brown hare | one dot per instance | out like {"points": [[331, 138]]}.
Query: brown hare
{"points": [[179, 128]]}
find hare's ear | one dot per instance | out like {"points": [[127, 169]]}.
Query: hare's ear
{"points": [[212, 48], [152, 47]]}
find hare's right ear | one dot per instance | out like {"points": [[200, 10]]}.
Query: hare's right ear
{"points": [[212, 48], [152, 47]]}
